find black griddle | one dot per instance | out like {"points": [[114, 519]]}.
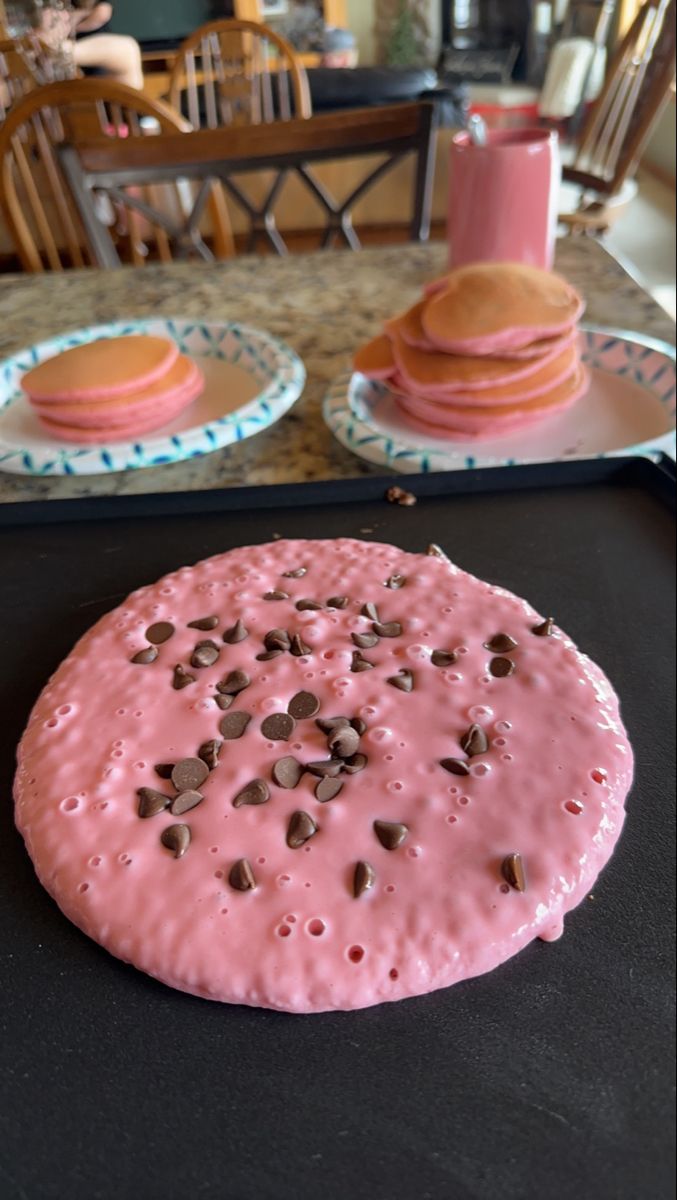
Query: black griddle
{"points": [[549, 1079]]}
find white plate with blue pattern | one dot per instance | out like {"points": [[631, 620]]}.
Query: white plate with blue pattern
{"points": [[629, 409], [251, 380]]}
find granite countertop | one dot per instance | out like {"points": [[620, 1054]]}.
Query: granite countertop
{"points": [[324, 305]]}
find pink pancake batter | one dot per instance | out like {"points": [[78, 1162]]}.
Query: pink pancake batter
{"points": [[491, 797]]}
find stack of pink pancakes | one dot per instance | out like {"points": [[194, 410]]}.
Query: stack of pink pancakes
{"points": [[114, 389], [489, 349]]}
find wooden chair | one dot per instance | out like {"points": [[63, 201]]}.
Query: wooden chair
{"points": [[238, 73], [391, 133], [619, 126], [24, 65], [35, 199]]}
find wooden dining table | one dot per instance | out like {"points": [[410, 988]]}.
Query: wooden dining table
{"points": [[324, 305]]}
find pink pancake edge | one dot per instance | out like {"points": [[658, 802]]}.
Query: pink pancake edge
{"points": [[550, 785], [472, 424], [183, 382], [410, 328], [130, 431], [105, 391], [447, 391]]}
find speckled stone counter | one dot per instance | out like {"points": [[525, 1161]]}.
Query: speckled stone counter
{"points": [[323, 305]]}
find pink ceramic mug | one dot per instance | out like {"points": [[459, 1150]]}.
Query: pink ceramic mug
{"points": [[503, 198]]}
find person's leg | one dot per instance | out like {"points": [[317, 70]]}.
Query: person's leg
{"points": [[118, 55]]}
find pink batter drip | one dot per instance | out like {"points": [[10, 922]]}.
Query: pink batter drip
{"points": [[551, 786]]}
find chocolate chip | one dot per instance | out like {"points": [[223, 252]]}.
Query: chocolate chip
{"points": [[277, 639], [303, 705], [370, 610], [189, 774], [278, 728], [475, 741], [237, 633], [403, 681], [363, 879], [233, 725], [297, 574], [204, 623], [300, 830], [397, 495], [435, 551], [164, 770], [144, 657], [390, 834], [176, 838], [241, 876], [234, 683], [151, 802], [352, 766], [287, 773], [338, 602], [160, 632], [455, 766], [444, 658], [308, 606], [224, 702], [299, 648], [328, 768], [205, 654], [328, 789], [501, 643], [277, 595], [545, 629], [365, 641], [391, 629], [329, 724], [512, 869], [209, 753], [501, 668], [359, 725], [181, 678], [268, 656], [360, 663], [185, 802], [255, 793], [396, 582], [344, 743]]}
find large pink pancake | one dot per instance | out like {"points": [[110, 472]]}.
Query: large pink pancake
{"points": [[130, 430], [443, 375], [490, 307], [102, 369], [410, 328], [545, 778], [460, 422], [183, 381]]}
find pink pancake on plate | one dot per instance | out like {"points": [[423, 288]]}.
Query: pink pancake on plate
{"points": [[443, 375], [102, 369], [184, 381], [410, 328], [322, 775], [460, 422], [129, 431], [490, 307]]}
